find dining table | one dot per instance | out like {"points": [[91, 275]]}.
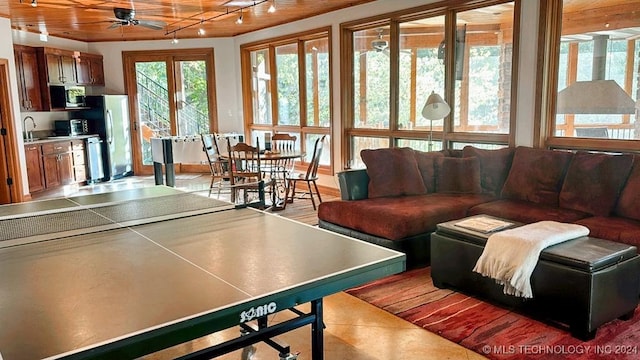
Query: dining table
{"points": [[269, 162]]}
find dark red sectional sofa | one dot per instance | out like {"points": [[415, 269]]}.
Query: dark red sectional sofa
{"points": [[402, 195]]}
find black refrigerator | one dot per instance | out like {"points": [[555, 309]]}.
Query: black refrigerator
{"points": [[108, 116]]}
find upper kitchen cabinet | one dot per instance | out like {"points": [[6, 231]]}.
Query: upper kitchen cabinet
{"points": [[58, 66], [90, 69], [28, 78]]}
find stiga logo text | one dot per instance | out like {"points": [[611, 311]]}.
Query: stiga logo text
{"points": [[256, 312]]}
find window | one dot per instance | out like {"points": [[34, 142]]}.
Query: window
{"points": [[596, 75], [395, 63], [288, 84], [260, 91], [287, 89]]}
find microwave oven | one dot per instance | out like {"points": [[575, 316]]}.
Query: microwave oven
{"points": [[67, 96], [73, 127]]}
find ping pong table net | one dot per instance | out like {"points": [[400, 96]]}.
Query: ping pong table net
{"points": [[84, 219]]}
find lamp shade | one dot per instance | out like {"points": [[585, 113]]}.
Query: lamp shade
{"points": [[435, 108], [594, 97]]}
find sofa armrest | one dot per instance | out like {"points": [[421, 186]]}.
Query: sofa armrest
{"points": [[354, 184]]}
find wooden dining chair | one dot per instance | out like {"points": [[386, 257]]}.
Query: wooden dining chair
{"points": [[310, 176], [282, 143], [246, 174], [218, 166]]}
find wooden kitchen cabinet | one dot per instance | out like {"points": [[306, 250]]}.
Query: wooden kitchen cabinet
{"points": [[90, 69], [44, 73], [52, 164], [57, 66], [35, 171], [58, 164], [28, 78]]}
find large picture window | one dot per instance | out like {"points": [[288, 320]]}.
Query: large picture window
{"points": [[461, 53], [596, 56], [287, 89]]}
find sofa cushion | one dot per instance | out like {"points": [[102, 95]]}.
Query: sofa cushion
{"points": [[594, 181], [426, 163], [458, 175], [401, 217], [392, 172], [526, 212], [613, 228], [452, 152], [494, 166], [536, 175], [629, 200]]}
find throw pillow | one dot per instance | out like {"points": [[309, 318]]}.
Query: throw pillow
{"points": [[458, 175], [427, 165], [594, 181], [392, 172], [536, 175], [629, 201], [494, 166]]}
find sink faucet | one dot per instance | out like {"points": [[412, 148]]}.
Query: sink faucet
{"points": [[28, 134]]}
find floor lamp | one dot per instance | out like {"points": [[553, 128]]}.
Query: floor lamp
{"points": [[434, 109]]}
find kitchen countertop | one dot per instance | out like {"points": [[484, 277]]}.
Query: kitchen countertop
{"points": [[57, 138]]}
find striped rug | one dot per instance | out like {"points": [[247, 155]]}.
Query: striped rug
{"points": [[492, 331]]}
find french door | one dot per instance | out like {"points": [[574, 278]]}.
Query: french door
{"points": [[172, 93]]}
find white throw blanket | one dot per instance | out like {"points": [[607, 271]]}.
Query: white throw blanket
{"points": [[510, 256]]}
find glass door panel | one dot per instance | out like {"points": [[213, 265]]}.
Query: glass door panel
{"points": [[153, 105], [170, 95], [192, 100]]}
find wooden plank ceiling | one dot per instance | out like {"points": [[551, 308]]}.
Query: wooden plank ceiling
{"points": [[95, 20]]}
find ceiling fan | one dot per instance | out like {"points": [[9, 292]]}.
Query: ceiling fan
{"points": [[380, 45], [126, 17], [377, 45]]}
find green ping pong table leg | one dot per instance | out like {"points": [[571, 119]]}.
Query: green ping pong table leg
{"points": [[317, 331], [263, 333]]}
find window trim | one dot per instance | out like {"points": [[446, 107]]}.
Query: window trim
{"points": [[448, 9], [547, 86], [303, 129]]}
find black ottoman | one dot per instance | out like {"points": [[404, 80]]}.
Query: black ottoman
{"points": [[581, 283]]}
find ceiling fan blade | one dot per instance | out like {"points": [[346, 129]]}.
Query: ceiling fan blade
{"points": [[152, 24]]}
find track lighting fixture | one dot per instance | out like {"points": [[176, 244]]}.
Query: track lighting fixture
{"points": [[239, 21]]}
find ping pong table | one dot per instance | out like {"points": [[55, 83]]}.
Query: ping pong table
{"points": [[124, 274]]}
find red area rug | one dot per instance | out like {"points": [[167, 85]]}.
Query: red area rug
{"points": [[490, 330]]}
